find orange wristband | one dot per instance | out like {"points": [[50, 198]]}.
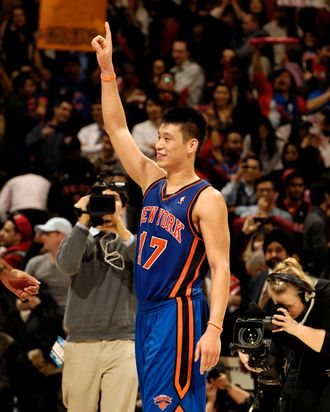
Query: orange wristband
{"points": [[108, 79], [220, 328]]}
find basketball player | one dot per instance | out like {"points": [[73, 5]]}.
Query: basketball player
{"points": [[183, 229]]}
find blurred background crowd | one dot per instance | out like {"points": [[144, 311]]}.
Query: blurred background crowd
{"points": [[267, 149]]}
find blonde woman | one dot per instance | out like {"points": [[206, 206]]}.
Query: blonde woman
{"points": [[302, 325]]}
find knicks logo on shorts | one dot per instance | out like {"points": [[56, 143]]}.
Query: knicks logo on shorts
{"points": [[162, 401]]}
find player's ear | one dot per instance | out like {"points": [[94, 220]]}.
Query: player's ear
{"points": [[192, 145]]}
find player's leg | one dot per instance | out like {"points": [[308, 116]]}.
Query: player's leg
{"points": [[139, 350], [195, 398], [172, 381]]}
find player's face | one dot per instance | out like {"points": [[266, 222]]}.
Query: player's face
{"points": [[171, 150]]}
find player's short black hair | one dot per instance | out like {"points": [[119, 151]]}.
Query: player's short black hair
{"points": [[192, 122]]}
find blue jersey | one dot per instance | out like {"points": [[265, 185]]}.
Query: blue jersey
{"points": [[171, 259]]}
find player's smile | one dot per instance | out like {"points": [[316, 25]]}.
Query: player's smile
{"points": [[160, 155]]}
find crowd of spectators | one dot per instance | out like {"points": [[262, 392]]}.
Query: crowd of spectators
{"points": [[267, 107]]}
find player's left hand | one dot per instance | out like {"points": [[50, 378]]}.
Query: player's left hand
{"points": [[103, 48], [208, 350], [20, 283]]}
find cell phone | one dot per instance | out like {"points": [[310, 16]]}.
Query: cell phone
{"points": [[101, 204]]}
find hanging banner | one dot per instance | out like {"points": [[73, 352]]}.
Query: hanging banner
{"points": [[70, 25], [304, 3]]}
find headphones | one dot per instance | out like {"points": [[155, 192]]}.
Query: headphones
{"points": [[306, 291]]}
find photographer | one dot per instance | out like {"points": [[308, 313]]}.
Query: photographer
{"points": [[99, 365], [302, 325]]}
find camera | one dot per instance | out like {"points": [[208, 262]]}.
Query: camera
{"points": [[99, 203], [254, 337], [102, 204]]}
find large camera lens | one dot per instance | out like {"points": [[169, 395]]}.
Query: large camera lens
{"points": [[250, 336]]}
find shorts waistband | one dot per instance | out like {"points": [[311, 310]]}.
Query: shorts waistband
{"points": [[151, 306]]}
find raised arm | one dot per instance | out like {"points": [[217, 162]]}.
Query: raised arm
{"points": [[211, 214], [140, 168]]}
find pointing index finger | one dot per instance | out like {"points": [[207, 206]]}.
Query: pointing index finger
{"points": [[107, 31]]}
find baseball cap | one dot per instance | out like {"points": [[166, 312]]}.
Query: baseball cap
{"points": [[55, 224]]}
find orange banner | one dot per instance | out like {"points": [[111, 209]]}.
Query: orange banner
{"points": [[70, 24]]}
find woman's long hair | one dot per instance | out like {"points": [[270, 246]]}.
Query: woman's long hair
{"points": [[256, 142]]}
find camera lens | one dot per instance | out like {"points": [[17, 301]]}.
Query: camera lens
{"points": [[250, 336]]}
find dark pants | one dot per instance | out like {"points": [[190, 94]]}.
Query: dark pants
{"points": [[294, 400], [34, 391]]}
